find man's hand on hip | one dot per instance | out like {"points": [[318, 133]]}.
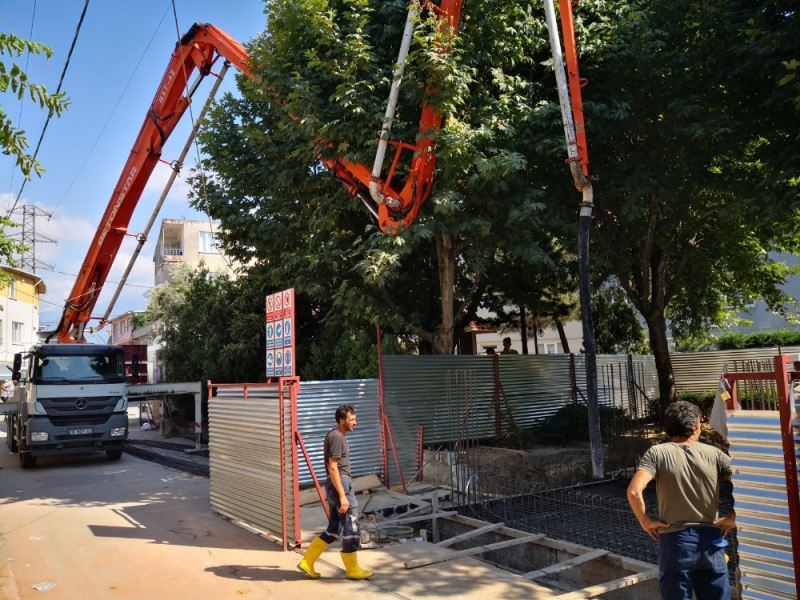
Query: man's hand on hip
{"points": [[651, 527]]}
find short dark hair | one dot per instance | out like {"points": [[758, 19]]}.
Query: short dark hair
{"points": [[506, 339], [681, 418], [343, 411]]}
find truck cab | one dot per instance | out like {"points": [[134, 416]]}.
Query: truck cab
{"points": [[71, 398]]}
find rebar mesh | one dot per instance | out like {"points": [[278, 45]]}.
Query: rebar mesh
{"points": [[596, 515]]}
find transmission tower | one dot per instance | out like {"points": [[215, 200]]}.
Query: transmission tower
{"points": [[29, 237]]}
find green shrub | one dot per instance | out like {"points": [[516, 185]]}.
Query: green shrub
{"points": [[704, 400]]}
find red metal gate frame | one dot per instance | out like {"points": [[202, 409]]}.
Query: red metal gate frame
{"points": [[783, 381]]}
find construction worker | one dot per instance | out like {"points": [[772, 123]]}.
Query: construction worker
{"points": [[507, 349], [690, 533], [342, 503]]}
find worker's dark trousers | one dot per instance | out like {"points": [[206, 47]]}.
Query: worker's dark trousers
{"points": [[342, 526], [693, 559]]}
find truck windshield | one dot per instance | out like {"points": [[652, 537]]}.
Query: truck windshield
{"points": [[98, 368]]}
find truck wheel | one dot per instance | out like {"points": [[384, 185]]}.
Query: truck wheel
{"points": [[27, 460], [12, 434], [113, 454]]}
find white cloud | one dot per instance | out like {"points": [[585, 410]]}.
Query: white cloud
{"points": [[180, 189]]}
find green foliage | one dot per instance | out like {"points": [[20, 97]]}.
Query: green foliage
{"points": [[759, 339], [704, 400], [617, 327], [209, 328], [14, 79], [327, 66], [734, 340], [572, 421]]}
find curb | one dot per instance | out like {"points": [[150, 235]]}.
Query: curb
{"points": [[167, 458]]}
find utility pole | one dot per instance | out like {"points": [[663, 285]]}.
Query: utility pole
{"points": [[29, 237]]}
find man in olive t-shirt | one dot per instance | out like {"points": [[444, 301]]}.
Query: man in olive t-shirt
{"points": [[342, 503], [690, 532]]}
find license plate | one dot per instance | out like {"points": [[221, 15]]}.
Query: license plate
{"points": [[80, 431]]}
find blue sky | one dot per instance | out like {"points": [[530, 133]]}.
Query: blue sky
{"points": [[83, 152]]}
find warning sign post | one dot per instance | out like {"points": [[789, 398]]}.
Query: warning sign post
{"points": [[280, 334]]}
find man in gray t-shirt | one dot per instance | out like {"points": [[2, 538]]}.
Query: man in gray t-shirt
{"points": [[342, 503], [689, 531]]}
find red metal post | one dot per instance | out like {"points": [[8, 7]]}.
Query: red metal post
{"points": [[787, 413], [294, 383], [394, 453], [299, 440], [420, 450], [282, 450], [382, 411]]}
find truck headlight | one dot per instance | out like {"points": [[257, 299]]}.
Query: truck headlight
{"points": [[38, 408], [39, 436], [122, 404], [119, 431]]}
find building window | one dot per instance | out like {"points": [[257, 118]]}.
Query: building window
{"points": [[208, 243], [12, 289], [17, 332]]}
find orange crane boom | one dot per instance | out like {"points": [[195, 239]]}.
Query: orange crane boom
{"points": [[199, 49]]}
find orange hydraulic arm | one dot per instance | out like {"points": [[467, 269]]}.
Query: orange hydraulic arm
{"points": [[200, 49]]}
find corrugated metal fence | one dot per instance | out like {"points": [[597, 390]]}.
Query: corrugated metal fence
{"points": [[699, 372], [316, 405], [251, 458], [762, 512]]}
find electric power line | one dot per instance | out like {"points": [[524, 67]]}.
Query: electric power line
{"points": [[21, 104], [58, 90]]}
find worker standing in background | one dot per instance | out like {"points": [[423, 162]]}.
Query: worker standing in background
{"points": [[343, 521], [507, 349], [690, 533]]}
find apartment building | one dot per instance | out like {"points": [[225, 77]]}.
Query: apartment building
{"points": [[19, 313], [182, 242]]}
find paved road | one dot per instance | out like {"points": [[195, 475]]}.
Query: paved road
{"points": [[83, 528], [90, 529]]}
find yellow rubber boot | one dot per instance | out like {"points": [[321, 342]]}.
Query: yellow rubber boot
{"points": [[351, 567], [310, 557]]}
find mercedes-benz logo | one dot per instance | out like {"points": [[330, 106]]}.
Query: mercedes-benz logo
{"points": [[81, 403]]}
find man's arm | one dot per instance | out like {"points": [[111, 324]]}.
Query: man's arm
{"points": [[727, 522], [636, 500], [336, 480]]}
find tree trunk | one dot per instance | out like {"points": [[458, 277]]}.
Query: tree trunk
{"points": [[562, 335], [657, 328], [523, 328], [536, 337], [445, 253]]}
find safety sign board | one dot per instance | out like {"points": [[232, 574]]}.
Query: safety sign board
{"points": [[280, 338]]}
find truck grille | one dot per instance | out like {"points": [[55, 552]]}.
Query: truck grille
{"points": [[93, 407], [79, 419]]}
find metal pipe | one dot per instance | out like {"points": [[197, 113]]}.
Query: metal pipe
{"points": [[584, 226], [391, 108], [142, 238]]}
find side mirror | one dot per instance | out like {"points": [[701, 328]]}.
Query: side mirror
{"points": [[17, 362]]}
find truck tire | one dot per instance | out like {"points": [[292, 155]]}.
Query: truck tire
{"points": [[11, 432], [113, 454], [27, 460]]}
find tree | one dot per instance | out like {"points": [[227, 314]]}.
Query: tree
{"points": [[326, 66], [678, 147], [13, 140]]}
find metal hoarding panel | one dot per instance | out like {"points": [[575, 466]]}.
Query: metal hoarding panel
{"points": [[244, 457], [699, 372], [317, 402], [762, 510], [536, 386], [432, 391]]}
